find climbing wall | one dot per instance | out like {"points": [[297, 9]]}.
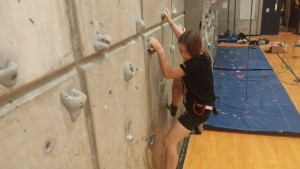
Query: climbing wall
{"points": [[78, 85], [37, 131], [202, 17], [209, 27]]}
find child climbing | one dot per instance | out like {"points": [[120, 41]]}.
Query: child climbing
{"points": [[195, 77]]}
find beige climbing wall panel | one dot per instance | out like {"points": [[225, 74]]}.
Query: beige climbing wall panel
{"points": [[78, 86], [37, 131]]}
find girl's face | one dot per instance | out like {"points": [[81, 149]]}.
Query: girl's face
{"points": [[185, 55]]}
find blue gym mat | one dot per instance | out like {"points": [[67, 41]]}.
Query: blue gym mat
{"points": [[253, 101], [237, 58]]}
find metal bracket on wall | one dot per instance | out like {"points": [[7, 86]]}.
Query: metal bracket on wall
{"points": [[8, 72], [73, 101], [140, 25], [128, 70], [102, 41]]}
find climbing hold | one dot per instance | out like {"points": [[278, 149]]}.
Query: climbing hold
{"points": [[152, 142], [100, 45], [174, 9], [102, 41], [129, 137], [73, 101], [8, 72], [140, 25], [49, 146], [181, 27], [162, 85], [128, 70], [172, 48], [100, 37], [150, 47], [163, 14], [107, 39]]}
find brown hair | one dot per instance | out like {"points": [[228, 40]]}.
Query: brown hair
{"points": [[192, 42]]}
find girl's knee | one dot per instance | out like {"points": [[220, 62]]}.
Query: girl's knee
{"points": [[169, 142]]}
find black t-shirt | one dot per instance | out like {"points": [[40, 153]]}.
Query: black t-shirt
{"points": [[198, 80]]}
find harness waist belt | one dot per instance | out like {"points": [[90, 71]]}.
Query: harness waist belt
{"points": [[208, 107]]}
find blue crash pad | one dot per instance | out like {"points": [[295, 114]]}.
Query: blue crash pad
{"points": [[252, 101], [237, 58]]}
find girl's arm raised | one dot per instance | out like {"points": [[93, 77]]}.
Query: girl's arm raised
{"points": [[177, 31], [168, 71]]}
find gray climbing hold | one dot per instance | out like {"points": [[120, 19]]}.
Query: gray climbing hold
{"points": [[129, 138], [162, 84], [49, 146], [73, 101], [102, 41], [174, 9], [100, 37], [152, 142], [172, 48], [140, 25], [100, 45], [8, 72], [163, 14], [149, 46], [128, 70], [107, 39], [181, 27]]}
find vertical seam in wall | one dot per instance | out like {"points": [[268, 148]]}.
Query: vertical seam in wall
{"points": [[76, 46], [74, 29], [89, 120], [142, 9]]}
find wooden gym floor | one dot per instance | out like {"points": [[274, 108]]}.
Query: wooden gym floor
{"points": [[229, 150]]}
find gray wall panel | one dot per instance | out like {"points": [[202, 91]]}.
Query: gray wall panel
{"points": [[37, 132], [119, 107], [115, 17], [52, 42], [37, 43], [151, 11]]}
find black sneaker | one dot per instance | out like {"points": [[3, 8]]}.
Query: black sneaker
{"points": [[172, 109]]}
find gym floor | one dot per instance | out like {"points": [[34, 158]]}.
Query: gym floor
{"points": [[229, 150]]}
